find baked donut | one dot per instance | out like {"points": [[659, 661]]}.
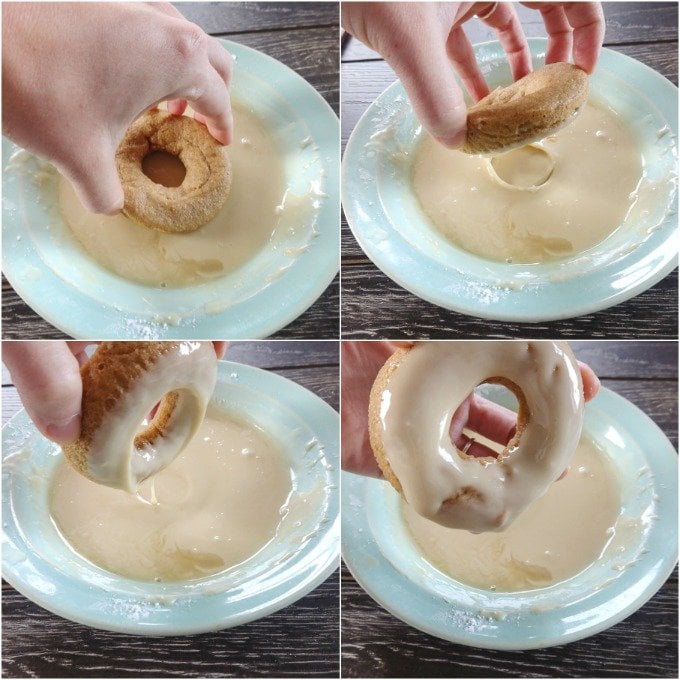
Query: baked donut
{"points": [[413, 401], [206, 184], [528, 110], [122, 382]]}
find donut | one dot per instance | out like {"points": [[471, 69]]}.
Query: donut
{"points": [[413, 400], [122, 382], [206, 184], [528, 110]]}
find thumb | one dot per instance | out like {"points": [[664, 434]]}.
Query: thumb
{"points": [[47, 376], [95, 179], [422, 64]]}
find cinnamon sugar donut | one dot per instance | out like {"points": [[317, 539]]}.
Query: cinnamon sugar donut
{"points": [[413, 401], [528, 110], [122, 381], [206, 184]]}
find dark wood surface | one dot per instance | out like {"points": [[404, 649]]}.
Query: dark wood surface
{"points": [[302, 35], [373, 306], [376, 644], [300, 640]]}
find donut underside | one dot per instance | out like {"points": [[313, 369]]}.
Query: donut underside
{"points": [[465, 494], [206, 184], [109, 374], [530, 109]]}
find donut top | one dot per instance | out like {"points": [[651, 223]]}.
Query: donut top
{"points": [[417, 404]]}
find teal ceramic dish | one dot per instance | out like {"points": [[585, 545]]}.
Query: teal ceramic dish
{"points": [[51, 272], [40, 565], [383, 558], [386, 219]]}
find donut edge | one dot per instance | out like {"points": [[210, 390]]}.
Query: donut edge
{"points": [[380, 384], [107, 375]]}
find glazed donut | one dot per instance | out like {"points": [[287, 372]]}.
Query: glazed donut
{"points": [[528, 110], [413, 401], [122, 381], [206, 184]]}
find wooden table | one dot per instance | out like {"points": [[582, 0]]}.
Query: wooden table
{"points": [[374, 306], [376, 644], [304, 36], [300, 640]]}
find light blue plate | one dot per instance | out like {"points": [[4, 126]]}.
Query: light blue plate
{"points": [[383, 558], [40, 565], [386, 219], [63, 284]]}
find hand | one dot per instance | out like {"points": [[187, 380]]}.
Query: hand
{"points": [[75, 75], [47, 376], [424, 42], [361, 362]]}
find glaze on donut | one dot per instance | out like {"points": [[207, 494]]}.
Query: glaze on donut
{"points": [[122, 382], [413, 401], [528, 110], [206, 184]]}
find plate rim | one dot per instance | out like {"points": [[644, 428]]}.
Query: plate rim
{"points": [[304, 580], [609, 401], [283, 306], [408, 260]]}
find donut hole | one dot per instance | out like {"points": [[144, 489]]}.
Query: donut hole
{"points": [[527, 167], [490, 439], [153, 425], [164, 168]]}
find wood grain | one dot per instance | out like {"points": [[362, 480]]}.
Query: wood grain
{"points": [[300, 640], [374, 306]]}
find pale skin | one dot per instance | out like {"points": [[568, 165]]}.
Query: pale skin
{"points": [[361, 362], [75, 75], [47, 376], [426, 45]]}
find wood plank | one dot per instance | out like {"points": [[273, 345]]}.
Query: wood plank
{"points": [[311, 52], [19, 321], [374, 307], [375, 643], [626, 22], [223, 18], [646, 360], [300, 640]]}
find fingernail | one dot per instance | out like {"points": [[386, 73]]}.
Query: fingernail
{"points": [[65, 431]]}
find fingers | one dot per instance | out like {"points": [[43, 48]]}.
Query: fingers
{"points": [[588, 21], [463, 58], [213, 107], [220, 348], [574, 28], [47, 376], [591, 383], [424, 69], [94, 177], [504, 20]]}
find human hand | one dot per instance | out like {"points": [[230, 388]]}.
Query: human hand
{"points": [[361, 362], [75, 75], [47, 376], [425, 44]]}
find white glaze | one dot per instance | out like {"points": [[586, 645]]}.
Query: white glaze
{"points": [[558, 536], [190, 368], [592, 187], [224, 498], [417, 406]]}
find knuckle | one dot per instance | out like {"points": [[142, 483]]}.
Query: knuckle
{"points": [[189, 41]]}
